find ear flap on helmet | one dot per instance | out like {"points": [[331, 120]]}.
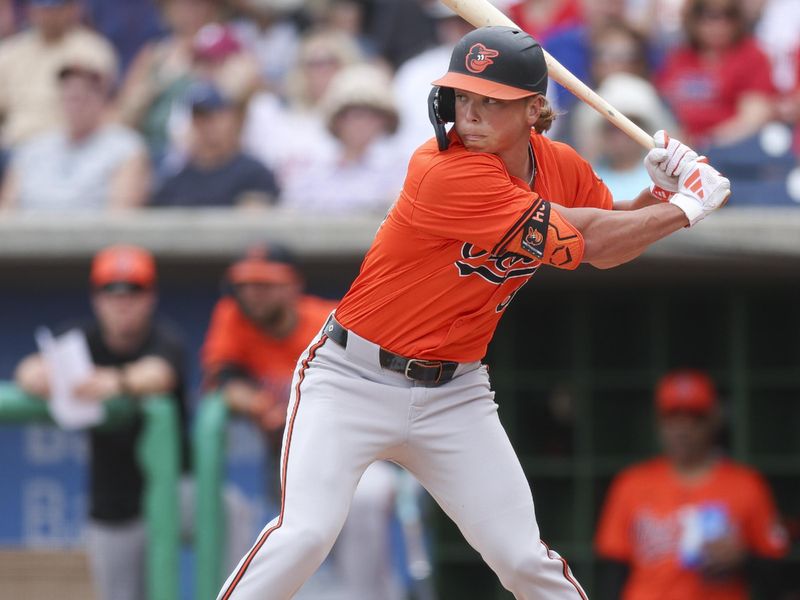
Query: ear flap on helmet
{"points": [[441, 110]]}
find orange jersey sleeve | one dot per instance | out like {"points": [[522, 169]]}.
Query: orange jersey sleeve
{"points": [[471, 197], [223, 343], [548, 237], [613, 536]]}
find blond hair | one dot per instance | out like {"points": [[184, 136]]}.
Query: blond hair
{"points": [[546, 117]]}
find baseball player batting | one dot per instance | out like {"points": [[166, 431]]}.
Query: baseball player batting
{"points": [[395, 372]]}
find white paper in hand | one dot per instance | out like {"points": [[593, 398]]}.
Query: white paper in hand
{"points": [[68, 363]]}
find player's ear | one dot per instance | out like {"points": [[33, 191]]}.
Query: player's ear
{"points": [[534, 106]]}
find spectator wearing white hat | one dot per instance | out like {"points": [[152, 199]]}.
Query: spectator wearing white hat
{"points": [[88, 164], [30, 60], [366, 171], [616, 158]]}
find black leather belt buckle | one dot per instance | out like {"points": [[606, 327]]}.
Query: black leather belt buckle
{"points": [[428, 371]]}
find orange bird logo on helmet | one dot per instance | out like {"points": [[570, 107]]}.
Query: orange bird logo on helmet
{"points": [[479, 57]]}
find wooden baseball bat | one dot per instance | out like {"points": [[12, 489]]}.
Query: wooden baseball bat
{"points": [[481, 13]]}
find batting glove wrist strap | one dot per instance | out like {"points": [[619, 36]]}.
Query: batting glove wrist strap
{"points": [[701, 188], [691, 207], [660, 193]]}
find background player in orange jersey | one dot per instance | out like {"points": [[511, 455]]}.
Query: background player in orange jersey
{"points": [[395, 374], [256, 334], [689, 524]]}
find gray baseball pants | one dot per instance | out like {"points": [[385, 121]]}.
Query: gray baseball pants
{"points": [[346, 412]]}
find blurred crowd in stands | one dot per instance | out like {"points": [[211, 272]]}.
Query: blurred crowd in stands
{"points": [[318, 104]]}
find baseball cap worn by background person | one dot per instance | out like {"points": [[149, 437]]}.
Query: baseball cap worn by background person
{"points": [[101, 66], [204, 96], [263, 264], [123, 268], [685, 391], [498, 62], [215, 42]]}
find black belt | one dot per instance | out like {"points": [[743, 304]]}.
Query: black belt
{"points": [[429, 372]]}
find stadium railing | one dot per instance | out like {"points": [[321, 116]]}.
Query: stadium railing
{"points": [[209, 467], [158, 452]]}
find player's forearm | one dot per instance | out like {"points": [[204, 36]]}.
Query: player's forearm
{"points": [[612, 238], [645, 198]]}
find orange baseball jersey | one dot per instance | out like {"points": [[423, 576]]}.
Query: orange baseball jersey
{"points": [[461, 240], [232, 339], [655, 522]]}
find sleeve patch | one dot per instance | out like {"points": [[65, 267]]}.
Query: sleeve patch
{"points": [[534, 234]]}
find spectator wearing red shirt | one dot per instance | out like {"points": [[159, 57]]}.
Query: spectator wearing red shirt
{"points": [[542, 18], [719, 84], [689, 524]]}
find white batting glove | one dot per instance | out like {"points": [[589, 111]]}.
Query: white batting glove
{"points": [[665, 163], [701, 190]]}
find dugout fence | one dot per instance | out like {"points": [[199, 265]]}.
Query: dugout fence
{"points": [[158, 453]]}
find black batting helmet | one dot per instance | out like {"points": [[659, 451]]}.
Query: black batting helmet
{"points": [[498, 62]]}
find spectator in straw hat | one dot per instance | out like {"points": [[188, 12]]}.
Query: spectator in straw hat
{"points": [[89, 163], [366, 171]]}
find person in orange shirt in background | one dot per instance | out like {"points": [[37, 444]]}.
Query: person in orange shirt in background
{"points": [[689, 524], [257, 332]]}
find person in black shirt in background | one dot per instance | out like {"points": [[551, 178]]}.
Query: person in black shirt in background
{"points": [[133, 356], [216, 172]]}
